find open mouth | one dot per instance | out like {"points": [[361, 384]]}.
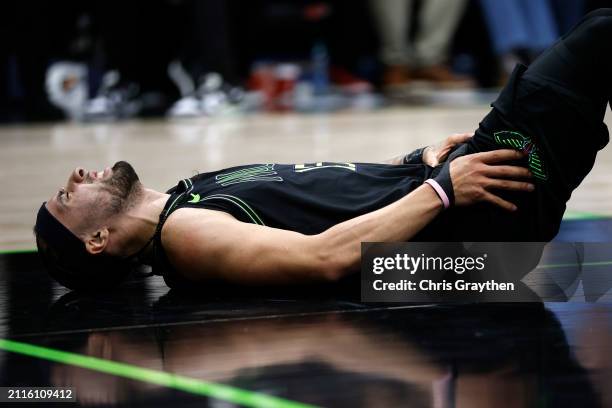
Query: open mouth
{"points": [[98, 175]]}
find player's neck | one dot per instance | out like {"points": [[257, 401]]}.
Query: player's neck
{"points": [[134, 229]]}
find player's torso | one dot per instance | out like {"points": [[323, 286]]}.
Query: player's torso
{"points": [[307, 198]]}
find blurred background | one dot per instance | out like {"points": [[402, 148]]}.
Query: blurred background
{"points": [[112, 60]]}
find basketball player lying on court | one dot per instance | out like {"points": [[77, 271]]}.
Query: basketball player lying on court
{"points": [[283, 224]]}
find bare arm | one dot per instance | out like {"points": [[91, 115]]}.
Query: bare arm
{"points": [[211, 245]]}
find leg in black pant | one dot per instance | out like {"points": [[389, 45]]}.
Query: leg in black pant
{"points": [[554, 111], [582, 60]]}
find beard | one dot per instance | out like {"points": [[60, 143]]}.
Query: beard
{"points": [[123, 186]]}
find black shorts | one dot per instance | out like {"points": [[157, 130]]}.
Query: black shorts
{"points": [[557, 125]]}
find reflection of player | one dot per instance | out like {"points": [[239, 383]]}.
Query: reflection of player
{"points": [[593, 337], [92, 387], [465, 363], [274, 224]]}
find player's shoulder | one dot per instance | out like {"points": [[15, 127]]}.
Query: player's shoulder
{"points": [[188, 219], [190, 233]]}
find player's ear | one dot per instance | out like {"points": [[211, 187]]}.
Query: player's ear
{"points": [[97, 241]]}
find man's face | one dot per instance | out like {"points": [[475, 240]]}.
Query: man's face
{"points": [[89, 197]]}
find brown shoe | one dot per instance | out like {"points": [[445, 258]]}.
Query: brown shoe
{"points": [[396, 75], [442, 76]]}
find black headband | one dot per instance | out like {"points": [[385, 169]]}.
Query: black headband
{"points": [[51, 230], [70, 264]]}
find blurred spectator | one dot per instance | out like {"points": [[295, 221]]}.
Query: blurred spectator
{"points": [[31, 34], [519, 29], [208, 44], [140, 39], [136, 40], [288, 30], [426, 58], [113, 55], [568, 13]]}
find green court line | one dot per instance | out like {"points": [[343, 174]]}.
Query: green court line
{"points": [[580, 215], [208, 389], [565, 265], [17, 251]]}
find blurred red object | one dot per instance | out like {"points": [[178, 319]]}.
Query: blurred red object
{"points": [[347, 81], [286, 77], [276, 83], [316, 11], [263, 80]]}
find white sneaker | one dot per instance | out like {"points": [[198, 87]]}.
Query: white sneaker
{"points": [[67, 88]]}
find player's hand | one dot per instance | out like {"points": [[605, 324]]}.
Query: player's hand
{"points": [[437, 153], [475, 177]]}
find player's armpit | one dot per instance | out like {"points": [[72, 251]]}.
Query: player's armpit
{"points": [[206, 245]]}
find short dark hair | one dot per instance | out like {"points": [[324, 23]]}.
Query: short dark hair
{"points": [[68, 262]]}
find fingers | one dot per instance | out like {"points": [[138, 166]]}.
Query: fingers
{"points": [[496, 156], [505, 185], [510, 185], [500, 202], [507, 172]]}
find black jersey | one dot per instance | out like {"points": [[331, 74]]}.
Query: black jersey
{"points": [[307, 198]]}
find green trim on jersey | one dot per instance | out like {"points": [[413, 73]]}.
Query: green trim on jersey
{"points": [[253, 216], [301, 168], [255, 173], [189, 187]]}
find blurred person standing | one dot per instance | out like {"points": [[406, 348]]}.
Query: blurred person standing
{"points": [[568, 12], [144, 57], [425, 59], [32, 34], [519, 29]]}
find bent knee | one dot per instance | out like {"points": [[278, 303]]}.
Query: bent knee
{"points": [[598, 27], [601, 12]]}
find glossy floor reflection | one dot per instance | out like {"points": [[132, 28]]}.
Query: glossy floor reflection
{"points": [[317, 345], [464, 356]]}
